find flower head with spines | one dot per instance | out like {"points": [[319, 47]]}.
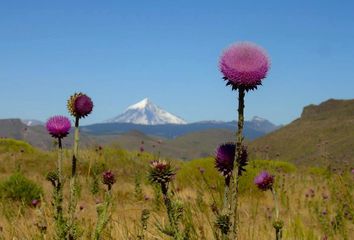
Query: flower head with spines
{"points": [[58, 126], [80, 105], [244, 65], [161, 172], [225, 157]]}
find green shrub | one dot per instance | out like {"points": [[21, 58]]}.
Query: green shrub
{"points": [[19, 188], [17, 146], [317, 171], [189, 173], [273, 166]]}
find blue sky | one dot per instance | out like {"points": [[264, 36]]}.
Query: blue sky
{"points": [[119, 52]]}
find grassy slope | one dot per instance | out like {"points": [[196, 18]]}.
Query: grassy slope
{"points": [[323, 133], [189, 146]]}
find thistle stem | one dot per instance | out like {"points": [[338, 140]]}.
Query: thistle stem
{"points": [[76, 147], [239, 140], [58, 194], [226, 198], [103, 215], [72, 201], [170, 211], [60, 160], [278, 224], [275, 204]]}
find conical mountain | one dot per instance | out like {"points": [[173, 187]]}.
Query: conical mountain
{"points": [[146, 112]]}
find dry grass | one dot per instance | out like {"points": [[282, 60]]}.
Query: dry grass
{"points": [[19, 221]]}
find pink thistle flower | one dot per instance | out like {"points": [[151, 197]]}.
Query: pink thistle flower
{"points": [[244, 65], [264, 181], [58, 126]]}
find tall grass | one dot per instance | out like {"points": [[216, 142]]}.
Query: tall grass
{"points": [[314, 203]]}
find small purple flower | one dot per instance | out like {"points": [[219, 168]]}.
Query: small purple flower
{"points": [[312, 192], [108, 178], [35, 203], [224, 158], [58, 126], [80, 105], [264, 181], [353, 171], [325, 196], [244, 65], [201, 170], [142, 149]]}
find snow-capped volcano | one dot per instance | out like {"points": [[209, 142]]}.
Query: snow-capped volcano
{"points": [[147, 113]]}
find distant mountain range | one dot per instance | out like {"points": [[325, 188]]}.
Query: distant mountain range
{"points": [[144, 121], [183, 141], [253, 129]]}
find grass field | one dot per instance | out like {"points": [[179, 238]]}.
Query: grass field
{"points": [[315, 203]]}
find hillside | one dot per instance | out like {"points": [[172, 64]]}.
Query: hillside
{"points": [[35, 135], [323, 133], [187, 147], [184, 141], [196, 144]]}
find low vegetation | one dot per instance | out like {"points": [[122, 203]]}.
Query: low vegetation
{"points": [[315, 203]]}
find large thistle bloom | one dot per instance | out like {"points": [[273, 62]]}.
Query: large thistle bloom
{"points": [[58, 126], [244, 65], [225, 157], [80, 105]]}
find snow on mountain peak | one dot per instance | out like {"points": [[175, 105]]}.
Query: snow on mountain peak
{"points": [[140, 105], [258, 119], [147, 113]]}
